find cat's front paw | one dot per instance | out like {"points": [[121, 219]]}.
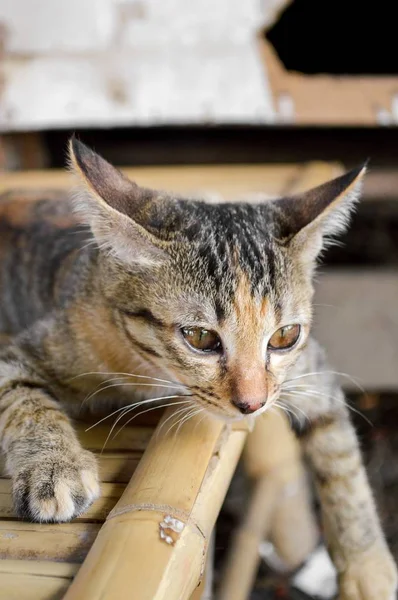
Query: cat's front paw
{"points": [[56, 486], [371, 576]]}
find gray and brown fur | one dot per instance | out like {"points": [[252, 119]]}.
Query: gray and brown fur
{"points": [[102, 284]]}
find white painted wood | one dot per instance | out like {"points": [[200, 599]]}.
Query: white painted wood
{"points": [[186, 85], [46, 26], [133, 62]]}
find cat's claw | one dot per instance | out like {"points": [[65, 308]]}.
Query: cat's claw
{"points": [[57, 487], [371, 576]]}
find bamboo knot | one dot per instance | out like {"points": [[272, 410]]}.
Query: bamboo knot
{"points": [[172, 523]]}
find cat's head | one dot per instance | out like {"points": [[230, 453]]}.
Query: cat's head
{"points": [[217, 295]]}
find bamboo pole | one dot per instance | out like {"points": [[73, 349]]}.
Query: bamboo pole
{"points": [[243, 556], [273, 459], [153, 544], [273, 451]]}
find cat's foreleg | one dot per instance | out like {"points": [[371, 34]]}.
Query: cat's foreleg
{"points": [[354, 536], [53, 477]]}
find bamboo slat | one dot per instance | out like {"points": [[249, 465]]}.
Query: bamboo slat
{"points": [[153, 543], [68, 542], [130, 438], [32, 587], [114, 467], [35, 580], [118, 467], [39, 567]]}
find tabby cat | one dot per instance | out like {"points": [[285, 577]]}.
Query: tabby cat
{"points": [[211, 301]]}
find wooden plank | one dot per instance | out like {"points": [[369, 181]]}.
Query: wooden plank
{"points": [[230, 181], [321, 99], [118, 467], [98, 511], [68, 542]]}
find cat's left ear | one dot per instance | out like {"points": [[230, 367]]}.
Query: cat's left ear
{"points": [[307, 219], [117, 209]]}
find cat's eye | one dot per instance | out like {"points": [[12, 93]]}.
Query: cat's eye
{"points": [[201, 339], [285, 337]]}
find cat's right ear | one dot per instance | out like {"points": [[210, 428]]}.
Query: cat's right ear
{"points": [[109, 202], [308, 220]]}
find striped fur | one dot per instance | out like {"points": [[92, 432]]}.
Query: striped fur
{"points": [[102, 284]]}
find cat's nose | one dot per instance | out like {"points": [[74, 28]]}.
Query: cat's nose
{"points": [[247, 408]]}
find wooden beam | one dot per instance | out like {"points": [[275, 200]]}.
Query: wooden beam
{"points": [[230, 181]]}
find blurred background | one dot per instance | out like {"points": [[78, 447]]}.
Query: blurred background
{"points": [[264, 96]]}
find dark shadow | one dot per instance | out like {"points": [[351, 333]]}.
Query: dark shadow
{"points": [[337, 37]]}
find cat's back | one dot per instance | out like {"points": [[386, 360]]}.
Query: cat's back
{"points": [[39, 236]]}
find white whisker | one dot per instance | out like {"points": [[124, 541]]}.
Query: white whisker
{"points": [[285, 410], [315, 393], [121, 417], [200, 420], [355, 410], [113, 385], [183, 413], [304, 386], [184, 419], [299, 409], [126, 375], [123, 408], [136, 383], [188, 417], [148, 410], [349, 377], [174, 414], [310, 394]]}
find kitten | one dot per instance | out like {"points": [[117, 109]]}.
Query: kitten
{"points": [[213, 298]]}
